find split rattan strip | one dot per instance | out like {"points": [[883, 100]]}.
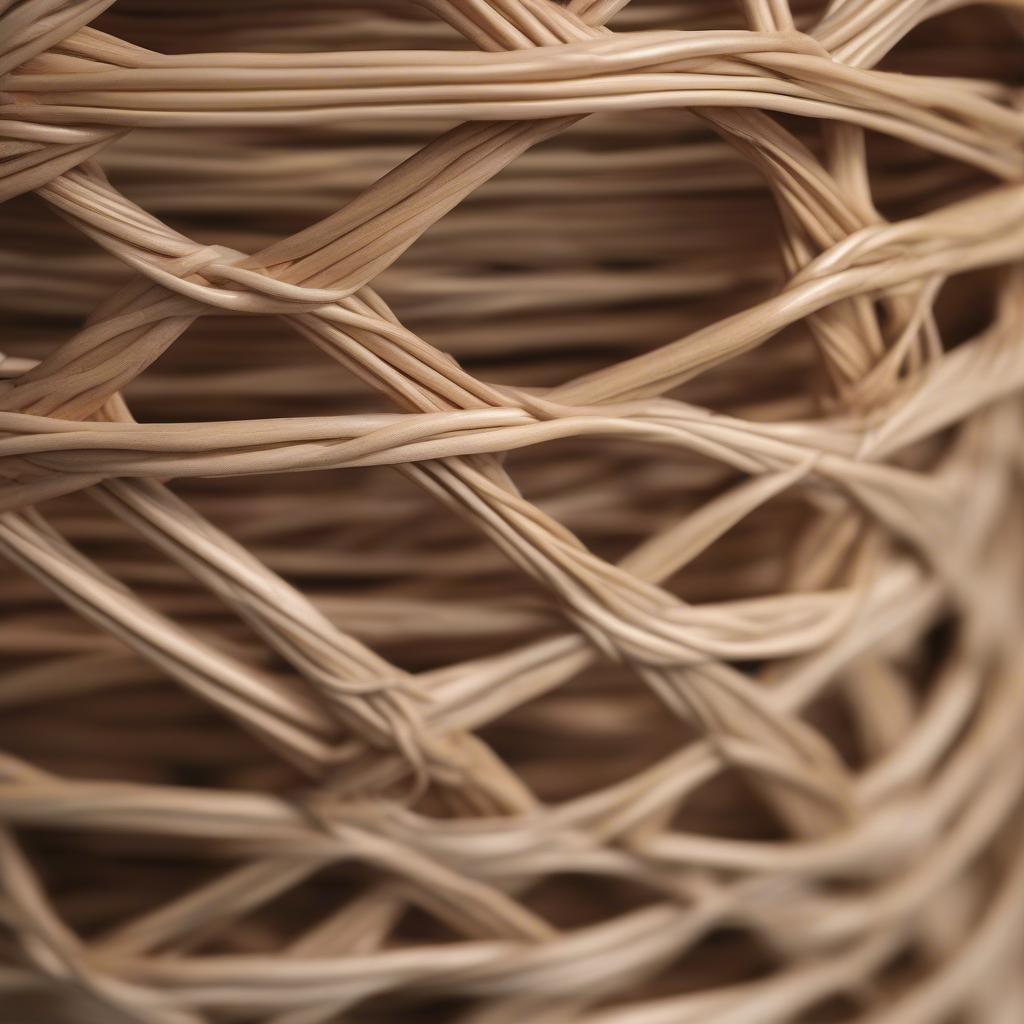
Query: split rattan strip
{"points": [[614, 615]]}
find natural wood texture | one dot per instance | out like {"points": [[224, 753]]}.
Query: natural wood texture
{"points": [[613, 616]]}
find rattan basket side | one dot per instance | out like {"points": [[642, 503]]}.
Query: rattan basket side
{"points": [[510, 511]]}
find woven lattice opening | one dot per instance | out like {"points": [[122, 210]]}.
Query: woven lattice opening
{"points": [[511, 512]]}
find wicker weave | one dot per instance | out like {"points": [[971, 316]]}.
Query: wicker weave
{"points": [[621, 625]]}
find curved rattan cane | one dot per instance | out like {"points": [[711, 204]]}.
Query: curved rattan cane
{"points": [[615, 618]]}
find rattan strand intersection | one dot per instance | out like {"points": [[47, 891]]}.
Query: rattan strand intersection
{"points": [[511, 511]]}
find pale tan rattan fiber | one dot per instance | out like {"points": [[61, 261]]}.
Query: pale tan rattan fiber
{"points": [[614, 620]]}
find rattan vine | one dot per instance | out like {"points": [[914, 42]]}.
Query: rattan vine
{"points": [[688, 517]]}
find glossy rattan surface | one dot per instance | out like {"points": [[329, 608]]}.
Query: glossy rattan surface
{"points": [[511, 512]]}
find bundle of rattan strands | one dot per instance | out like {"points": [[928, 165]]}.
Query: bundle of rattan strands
{"points": [[511, 511]]}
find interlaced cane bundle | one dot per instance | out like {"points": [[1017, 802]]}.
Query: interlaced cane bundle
{"points": [[511, 512]]}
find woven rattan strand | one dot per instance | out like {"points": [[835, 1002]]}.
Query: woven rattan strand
{"points": [[510, 511]]}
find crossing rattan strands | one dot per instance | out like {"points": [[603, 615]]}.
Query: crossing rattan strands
{"points": [[613, 616]]}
